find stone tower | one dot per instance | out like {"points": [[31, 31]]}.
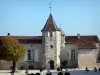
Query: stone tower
{"points": [[52, 43]]}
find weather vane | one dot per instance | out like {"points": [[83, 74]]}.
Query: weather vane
{"points": [[50, 6]]}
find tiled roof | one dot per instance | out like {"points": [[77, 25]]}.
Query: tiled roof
{"points": [[73, 39], [50, 24], [83, 43], [70, 39], [28, 39]]}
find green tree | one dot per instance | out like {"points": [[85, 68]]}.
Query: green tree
{"points": [[11, 50]]}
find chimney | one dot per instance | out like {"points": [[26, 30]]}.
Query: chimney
{"points": [[78, 35], [8, 34]]}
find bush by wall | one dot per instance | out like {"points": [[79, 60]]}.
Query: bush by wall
{"points": [[31, 74], [58, 69], [37, 74], [49, 73], [60, 73], [67, 73]]}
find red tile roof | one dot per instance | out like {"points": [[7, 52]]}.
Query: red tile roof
{"points": [[83, 42], [70, 39], [28, 39], [73, 39]]}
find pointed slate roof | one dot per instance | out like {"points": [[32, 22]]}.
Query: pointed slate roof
{"points": [[50, 24]]}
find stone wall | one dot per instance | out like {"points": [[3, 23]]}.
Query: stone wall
{"points": [[87, 58]]}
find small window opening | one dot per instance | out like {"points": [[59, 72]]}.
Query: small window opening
{"points": [[50, 33], [51, 46]]}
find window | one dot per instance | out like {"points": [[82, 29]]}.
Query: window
{"points": [[29, 54], [98, 60], [50, 33], [99, 44], [73, 55], [55, 52], [51, 46]]}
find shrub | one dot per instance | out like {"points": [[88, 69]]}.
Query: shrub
{"points": [[58, 69], [49, 73], [60, 73], [64, 64], [37, 74], [32, 73], [86, 69], [67, 73], [95, 69], [61, 68], [41, 69], [99, 69], [26, 71]]}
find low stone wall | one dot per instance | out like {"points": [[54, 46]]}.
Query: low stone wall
{"points": [[5, 65]]}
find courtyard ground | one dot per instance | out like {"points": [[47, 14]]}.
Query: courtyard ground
{"points": [[54, 72]]}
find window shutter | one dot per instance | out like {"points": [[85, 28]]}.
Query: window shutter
{"points": [[69, 54]]}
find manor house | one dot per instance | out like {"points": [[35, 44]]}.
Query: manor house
{"points": [[53, 48]]}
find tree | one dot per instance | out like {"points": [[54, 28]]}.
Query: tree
{"points": [[11, 50]]}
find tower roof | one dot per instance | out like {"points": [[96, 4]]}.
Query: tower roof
{"points": [[50, 24]]}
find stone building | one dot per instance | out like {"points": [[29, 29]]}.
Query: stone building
{"points": [[53, 47]]}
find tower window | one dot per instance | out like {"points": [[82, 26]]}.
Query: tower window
{"points": [[51, 46], [50, 33]]}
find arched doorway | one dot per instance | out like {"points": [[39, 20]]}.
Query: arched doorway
{"points": [[51, 62]]}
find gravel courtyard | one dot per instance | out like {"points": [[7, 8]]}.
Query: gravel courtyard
{"points": [[54, 72]]}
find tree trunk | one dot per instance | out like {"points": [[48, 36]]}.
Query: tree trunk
{"points": [[14, 66]]}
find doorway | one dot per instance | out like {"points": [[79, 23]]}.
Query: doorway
{"points": [[51, 62]]}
